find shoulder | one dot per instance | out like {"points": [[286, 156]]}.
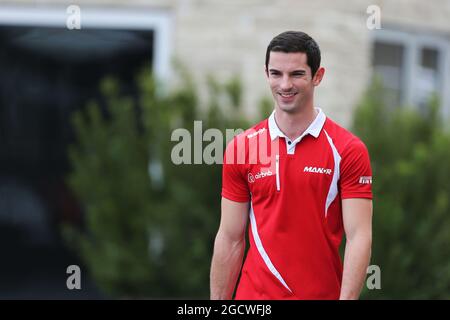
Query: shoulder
{"points": [[344, 140], [239, 147], [250, 133]]}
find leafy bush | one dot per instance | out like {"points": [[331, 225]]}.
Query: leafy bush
{"points": [[150, 224], [410, 154]]}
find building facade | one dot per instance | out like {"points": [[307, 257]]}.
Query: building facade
{"points": [[226, 38]]}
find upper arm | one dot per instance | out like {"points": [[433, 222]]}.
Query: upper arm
{"points": [[235, 196], [356, 190], [357, 217], [233, 219], [234, 175]]}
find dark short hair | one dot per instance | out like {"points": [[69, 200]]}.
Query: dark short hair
{"points": [[296, 41]]}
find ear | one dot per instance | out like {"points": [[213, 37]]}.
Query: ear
{"points": [[266, 72], [318, 76]]}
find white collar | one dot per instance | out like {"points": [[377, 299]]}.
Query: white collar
{"points": [[314, 128]]}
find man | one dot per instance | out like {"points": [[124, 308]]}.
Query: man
{"points": [[299, 206]]}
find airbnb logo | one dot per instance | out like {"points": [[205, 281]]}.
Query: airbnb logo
{"points": [[259, 175]]}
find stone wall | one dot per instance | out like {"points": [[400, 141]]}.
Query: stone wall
{"points": [[223, 38]]}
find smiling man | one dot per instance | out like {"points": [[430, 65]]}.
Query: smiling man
{"points": [[317, 188]]}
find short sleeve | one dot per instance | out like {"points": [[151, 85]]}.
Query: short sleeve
{"points": [[356, 172], [234, 181]]}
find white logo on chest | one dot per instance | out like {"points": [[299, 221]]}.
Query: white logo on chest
{"points": [[259, 175], [318, 170]]}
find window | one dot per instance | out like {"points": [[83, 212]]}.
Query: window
{"points": [[413, 66], [427, 79], [388, 65]]}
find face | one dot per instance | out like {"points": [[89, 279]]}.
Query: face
{"points": [[291, 81]]}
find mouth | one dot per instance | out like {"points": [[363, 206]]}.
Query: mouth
{"points": [[287, 97]]}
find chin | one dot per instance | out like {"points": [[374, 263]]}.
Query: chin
{"points": [[290, 108]]}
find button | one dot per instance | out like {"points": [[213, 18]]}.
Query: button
{"points": [[289, 142]]}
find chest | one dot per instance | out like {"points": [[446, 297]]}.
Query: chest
{"points": [[308, 171]]}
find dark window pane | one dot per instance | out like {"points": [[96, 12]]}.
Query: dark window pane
{"points": [[387, 62]]}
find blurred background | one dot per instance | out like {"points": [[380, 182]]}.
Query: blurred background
{"points": [[87, 114]]}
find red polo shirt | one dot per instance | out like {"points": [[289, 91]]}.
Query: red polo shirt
{"points": [[295, 189]]}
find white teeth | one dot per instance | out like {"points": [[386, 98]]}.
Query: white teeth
{"points": [[287, 95]]}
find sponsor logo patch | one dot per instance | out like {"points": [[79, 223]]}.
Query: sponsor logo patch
{"points": [[252, 178], [318, 170], [365, 180]]}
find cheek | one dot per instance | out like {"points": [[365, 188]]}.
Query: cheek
{"points": [[273, 86], [302, 85]]}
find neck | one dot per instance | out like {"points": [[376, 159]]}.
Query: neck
{"points": [[294, 125]]}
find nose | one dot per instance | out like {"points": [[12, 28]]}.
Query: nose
{"points": [[286, 84]]}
